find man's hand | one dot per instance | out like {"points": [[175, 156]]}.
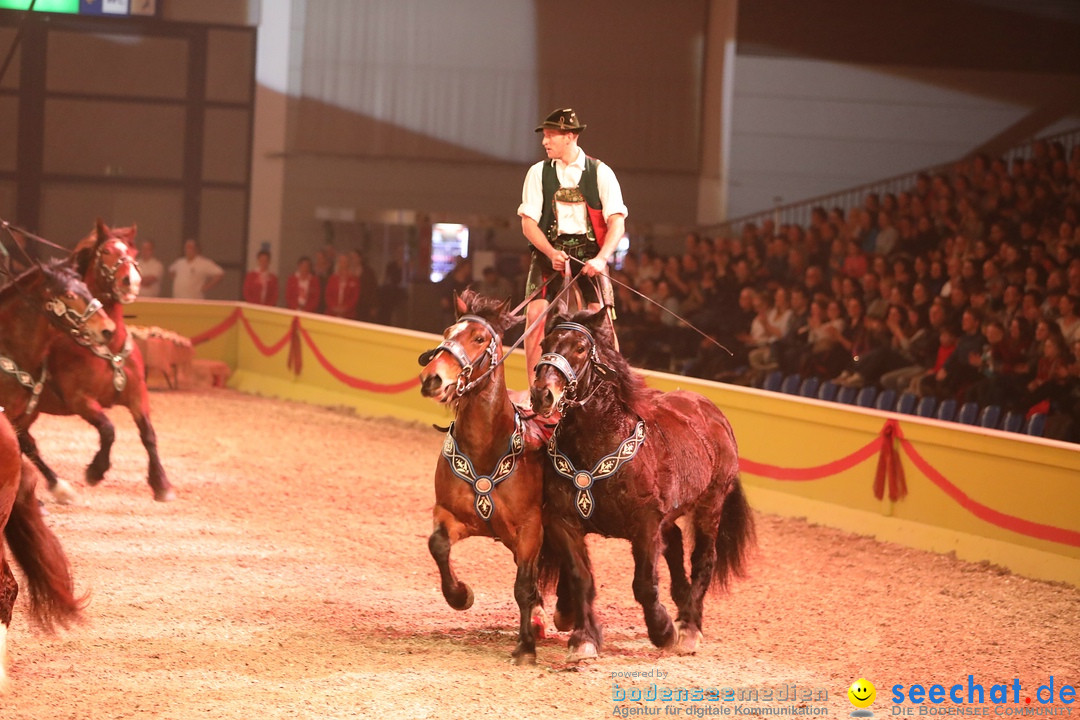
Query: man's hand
{"points": [[595, 266], [559, 260]]}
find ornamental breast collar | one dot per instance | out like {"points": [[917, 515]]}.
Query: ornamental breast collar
{"points": [[609, 465]]}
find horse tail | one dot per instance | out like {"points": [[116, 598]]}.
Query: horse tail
{"points": [[548, 564], [735, 537], [39, 553]]}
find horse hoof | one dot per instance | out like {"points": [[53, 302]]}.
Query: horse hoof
{"points": [[564, 622], [463, 604], [687, 641], [539, 622], [92, 477], [164, 495], [584, 651], [63, 493], [524, 659]]}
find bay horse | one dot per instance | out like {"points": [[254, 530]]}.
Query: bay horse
{"points": [[489, 476], [85, 378], [631, 461]]}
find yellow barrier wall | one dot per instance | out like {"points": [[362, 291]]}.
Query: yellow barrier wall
{"points": [[985, 495]]}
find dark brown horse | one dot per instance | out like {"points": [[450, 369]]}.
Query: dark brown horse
{"points": [[86, 378], [632, 461], [35, 308], [489, 477]]}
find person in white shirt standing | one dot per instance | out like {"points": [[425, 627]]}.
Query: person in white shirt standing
{"points": [[571, 206], [152, 269], [194, 274]]}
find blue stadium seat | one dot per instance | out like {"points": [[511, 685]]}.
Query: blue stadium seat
{"points": [[772, 381], [886, 400], [926, 406], [847, 395], [790, 385], [946, 410], [865, 397], [827, 391], [1013, 422], [906, 403], [968, 414], [810, 387], [1035, 425], [989, 416]]}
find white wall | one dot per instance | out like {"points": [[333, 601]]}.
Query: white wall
{"points": [[803, 128]]}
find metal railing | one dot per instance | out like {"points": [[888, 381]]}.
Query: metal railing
{"points": [[798, 213]]}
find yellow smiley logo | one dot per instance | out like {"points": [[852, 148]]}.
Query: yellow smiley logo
{"points": [[862, 693]]}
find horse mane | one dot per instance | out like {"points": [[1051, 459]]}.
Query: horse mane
{"points": [[494, 310], [628, 385], [52, 266]]}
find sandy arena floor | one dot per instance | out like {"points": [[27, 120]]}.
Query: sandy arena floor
{"points": [[291, 579]]}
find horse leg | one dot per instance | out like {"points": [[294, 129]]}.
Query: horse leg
{"points": [[101, 463], [61, 489], [526, 554], [646, 549], [447, 532], [163, 490], [674, 554], [723, 531], [576, 589]]}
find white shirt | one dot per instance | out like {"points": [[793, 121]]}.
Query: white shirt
{"points": [[572, 219], [151, 268], [189, 276]]}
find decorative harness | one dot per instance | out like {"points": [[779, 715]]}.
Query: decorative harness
{"points": [[77, 322], [608, 465], [483, 485], [460, 463], [107, 274]]}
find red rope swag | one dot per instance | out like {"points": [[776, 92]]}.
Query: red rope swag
{"points": [[295, 337], [890, 472]]}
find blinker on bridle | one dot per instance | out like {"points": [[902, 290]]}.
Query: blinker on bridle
{"points": [[562, 365], [457, 351], [108, 273]]}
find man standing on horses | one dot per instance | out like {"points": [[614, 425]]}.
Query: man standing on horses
{"points": [[571, 207]]}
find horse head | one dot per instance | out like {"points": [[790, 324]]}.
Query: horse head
{"points": [[66, 301], [471, 348], [571, 368], [106, 260]]}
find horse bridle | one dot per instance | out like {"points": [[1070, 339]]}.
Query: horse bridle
{"points": [[562, 365], [467, 364], [108, 273]]}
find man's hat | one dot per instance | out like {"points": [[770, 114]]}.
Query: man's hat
{"points": [[562, 119]]}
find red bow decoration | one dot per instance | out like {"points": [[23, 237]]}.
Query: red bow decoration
{"points": [[889, 467], [295, 361]]}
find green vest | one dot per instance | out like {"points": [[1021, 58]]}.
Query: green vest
{"points": [[588, 187]]}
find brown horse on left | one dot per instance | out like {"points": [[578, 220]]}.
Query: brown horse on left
{"points": [[85, 378], [35, 309], [490, 474]]}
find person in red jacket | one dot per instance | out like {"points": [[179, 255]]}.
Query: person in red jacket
{"points": [[302, 290], [342, 290], [260, 284]]}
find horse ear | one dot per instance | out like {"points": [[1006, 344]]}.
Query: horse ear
{"points": [[460, 304], [102, 231]]}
